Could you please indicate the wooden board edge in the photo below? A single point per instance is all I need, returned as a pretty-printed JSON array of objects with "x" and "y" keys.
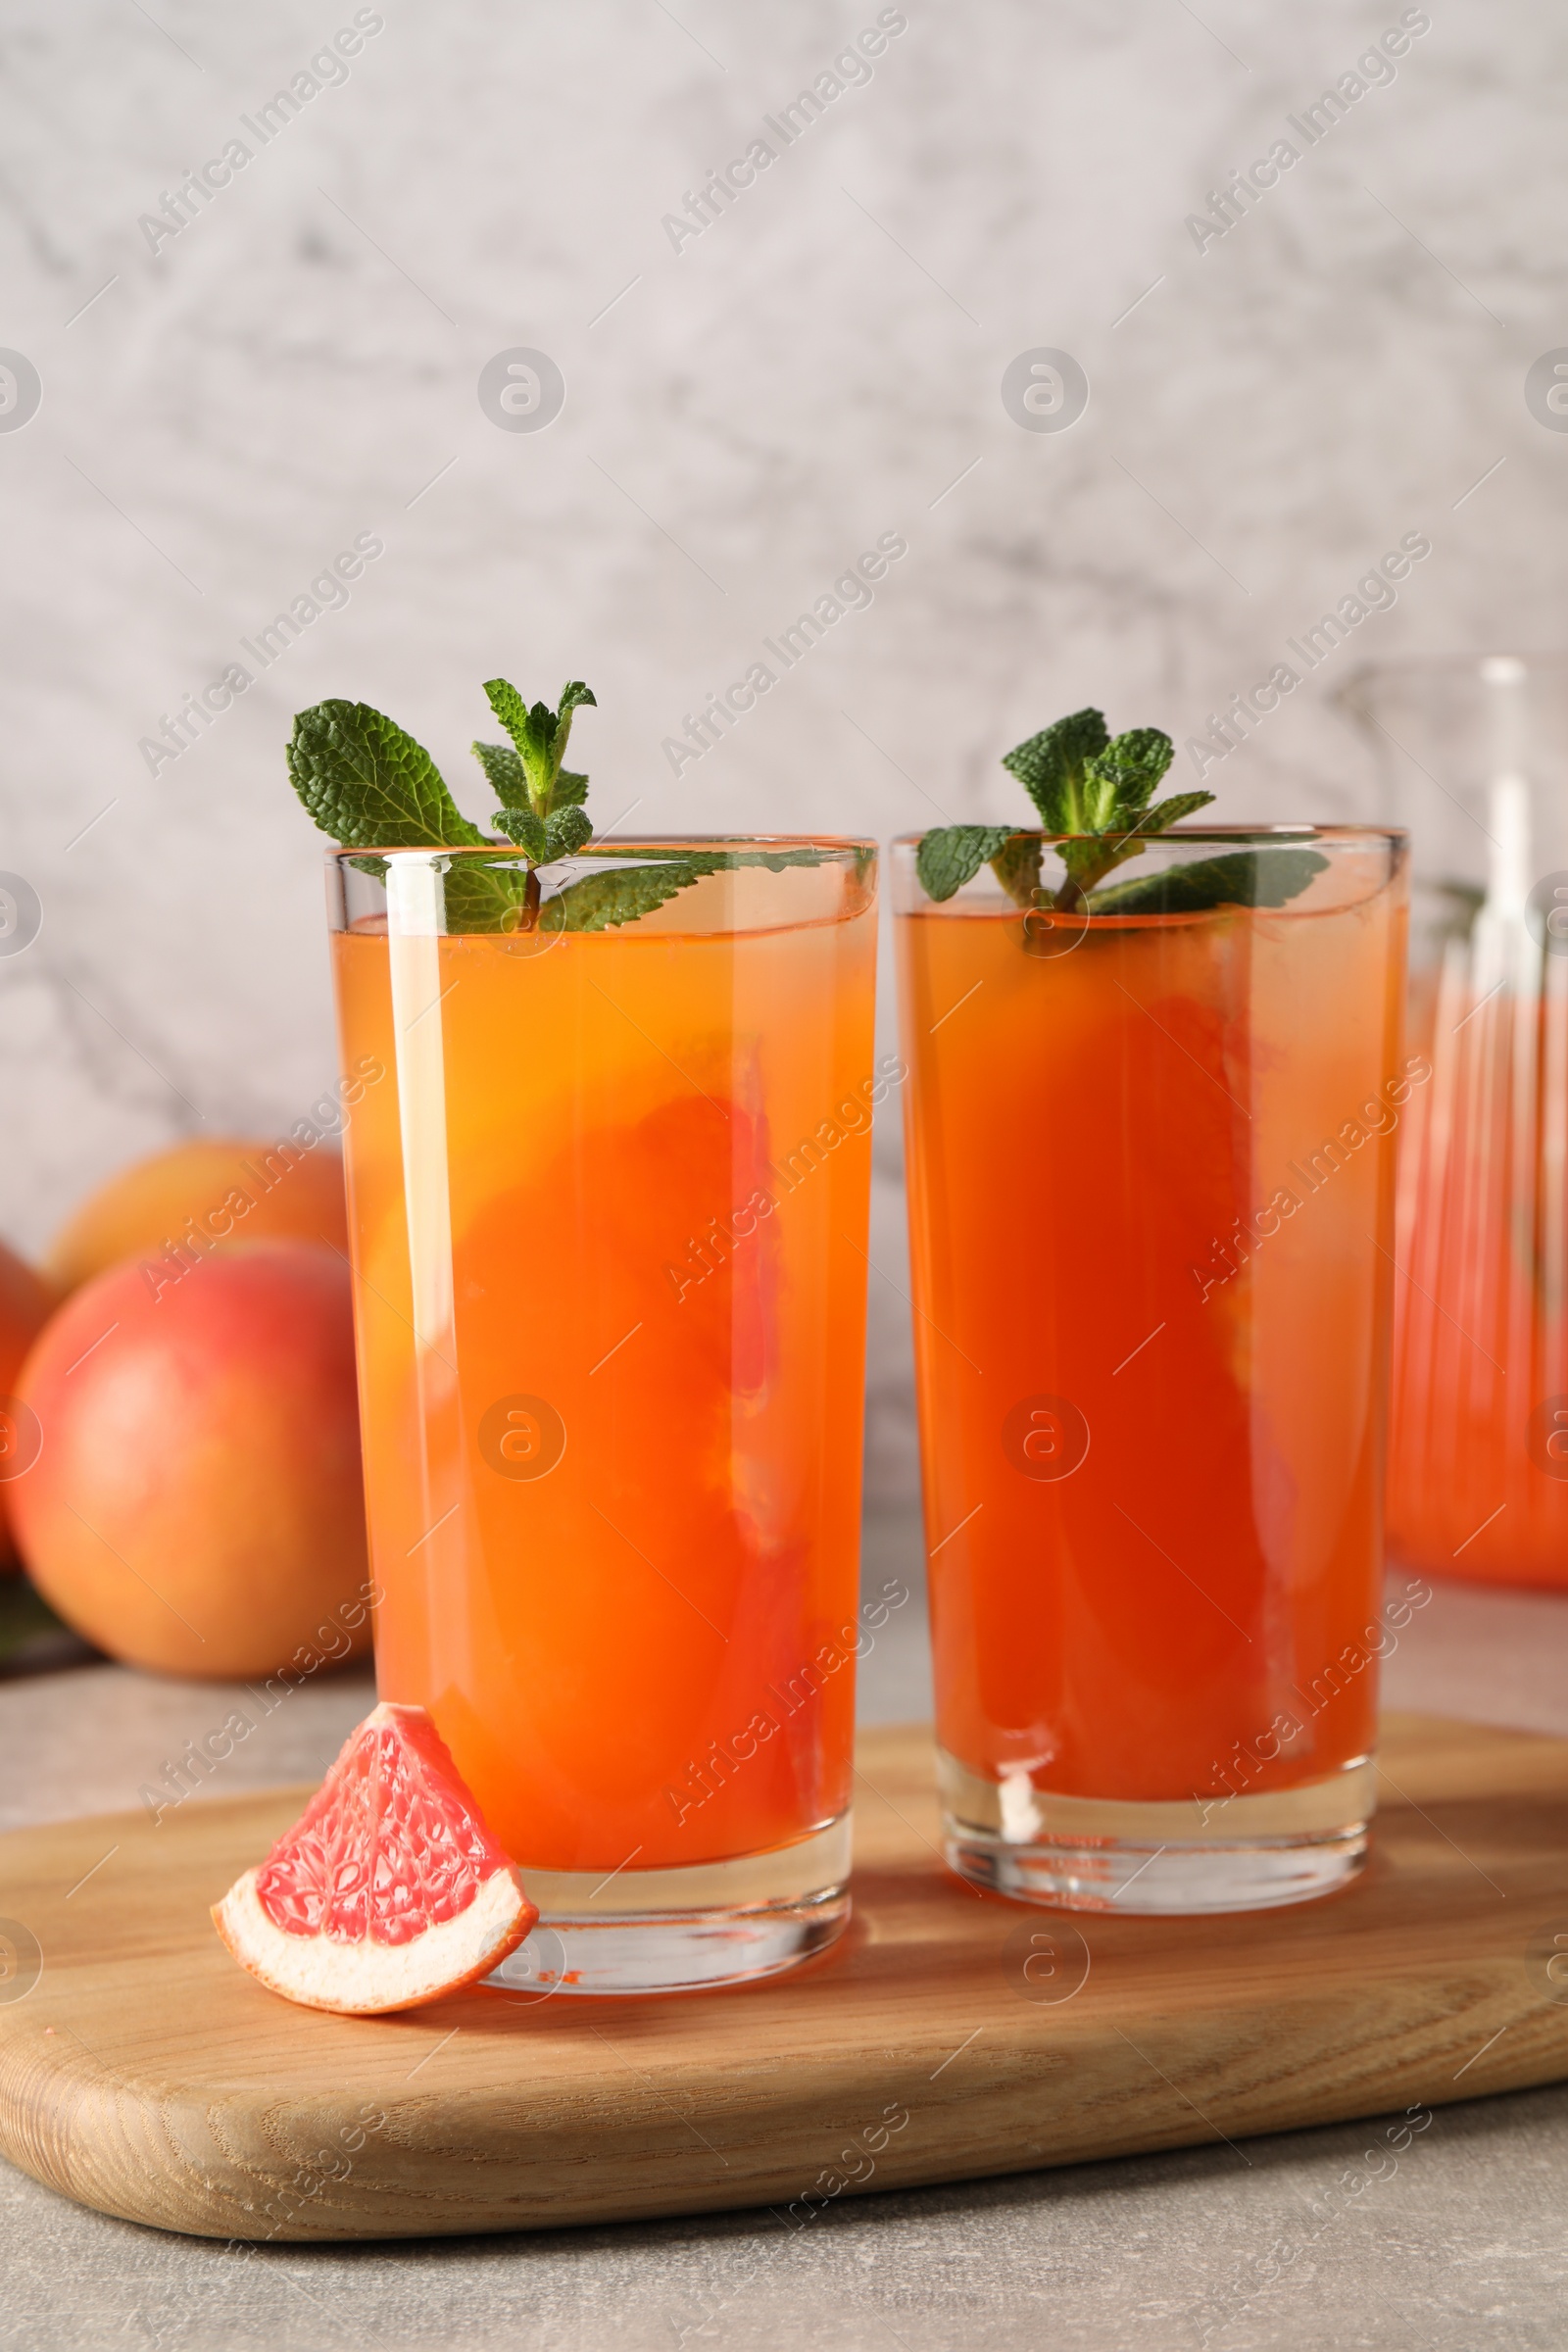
[{"x": 83, "y": 2137}]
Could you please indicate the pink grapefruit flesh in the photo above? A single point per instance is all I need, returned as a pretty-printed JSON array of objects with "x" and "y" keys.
[{"x": 388, "y": 1891}]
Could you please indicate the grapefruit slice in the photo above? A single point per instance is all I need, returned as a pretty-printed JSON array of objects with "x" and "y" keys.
[{"x": 388, "y": 1891}]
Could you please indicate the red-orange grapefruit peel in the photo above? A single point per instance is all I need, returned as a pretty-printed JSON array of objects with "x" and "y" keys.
[{"x": 388, "y": 1891}]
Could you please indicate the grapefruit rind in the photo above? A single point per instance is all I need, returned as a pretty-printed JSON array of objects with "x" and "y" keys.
[
  {"x": 389, "y": 1890},
  {"x": 368, "y": 1979}
]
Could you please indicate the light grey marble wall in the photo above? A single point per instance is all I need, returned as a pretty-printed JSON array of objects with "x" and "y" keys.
[{"x": 746, "y": 409}]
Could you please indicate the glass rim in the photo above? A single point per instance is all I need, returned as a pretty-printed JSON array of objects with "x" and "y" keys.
[
  {"x": 846, "y": 844},
  {"x": 1254, "y": 836}
]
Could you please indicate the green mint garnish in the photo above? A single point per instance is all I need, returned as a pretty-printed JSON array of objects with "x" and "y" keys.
[
  {"x": 1099, "y": 792},
  {"x": 954, "y": 855},
  {"x": 1239, "y": 878},
  {"x": 543, "y": 812},
  {"x": 620, "y": 894},
  {"x": 370, "y": 786}
]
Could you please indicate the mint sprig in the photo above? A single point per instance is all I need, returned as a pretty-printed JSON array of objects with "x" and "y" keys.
[
  {"x": 371, "y": 786},
  {"x": 543, "y": 814},
  {"x": 1098, "y": 791}
]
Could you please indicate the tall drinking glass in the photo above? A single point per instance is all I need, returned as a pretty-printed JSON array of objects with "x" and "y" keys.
[
  {"x": 1150, "y": 1197},
  {"x": 608, "y": 1213}
]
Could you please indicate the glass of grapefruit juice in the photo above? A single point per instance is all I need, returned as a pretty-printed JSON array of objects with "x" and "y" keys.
[
  {"x": 1150, "y": 1170},
  {"x": 607, "y": 1217}
]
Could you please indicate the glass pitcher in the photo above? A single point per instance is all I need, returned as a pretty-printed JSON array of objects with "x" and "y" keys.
[{"x": 1474, "y": 759}]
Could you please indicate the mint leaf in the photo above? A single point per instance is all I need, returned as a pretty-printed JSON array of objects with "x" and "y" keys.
[
  {"x": 503, "y": 772},
  {"x": 954, "y": 855},
  {"x": 545, "y": 838},
  {"x": 520, "y": 723},
  {"x": 565, "y": 831},
  {"x": 1050, "y": 768},
  {"x": 1166, "y": 813},
  {"x": 523, "y": 829},
  {"x": 1017, "y": 866},
  {"x": 1119, "y": 781},
  {"x": 1263, "y": 877},
  {"x": 369, "y": 785},
  {"x": 621, "y": 893},
  {"x": 604, "y": 902},
  {"x": 571, "y": 791}
]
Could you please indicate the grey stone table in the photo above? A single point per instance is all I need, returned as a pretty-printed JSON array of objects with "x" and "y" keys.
[{"x": 1463, "y": 2247}]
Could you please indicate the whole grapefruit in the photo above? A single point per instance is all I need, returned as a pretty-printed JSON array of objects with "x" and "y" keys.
[
  {"x": 24, "y": 1307},
  {"x": 202, "y": 1197},
  {"x": 196, "y": 1502}
]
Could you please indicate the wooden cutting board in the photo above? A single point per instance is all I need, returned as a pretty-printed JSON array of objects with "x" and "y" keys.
[{"x": 949, "y": 2034}]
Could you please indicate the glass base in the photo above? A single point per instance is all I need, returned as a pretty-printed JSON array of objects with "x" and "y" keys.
[
  {"x": 682, "y": 1931},
  {"x": 1079, "y": 1853}
]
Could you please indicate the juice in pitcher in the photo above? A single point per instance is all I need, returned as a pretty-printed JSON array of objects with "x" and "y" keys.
[{"x": 1473, "y": 749}]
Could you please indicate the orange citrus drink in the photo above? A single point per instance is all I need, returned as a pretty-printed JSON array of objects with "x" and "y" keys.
[
  {"x": 1151, "y": 1191},
  {"x": 609, "y": 1231}
]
